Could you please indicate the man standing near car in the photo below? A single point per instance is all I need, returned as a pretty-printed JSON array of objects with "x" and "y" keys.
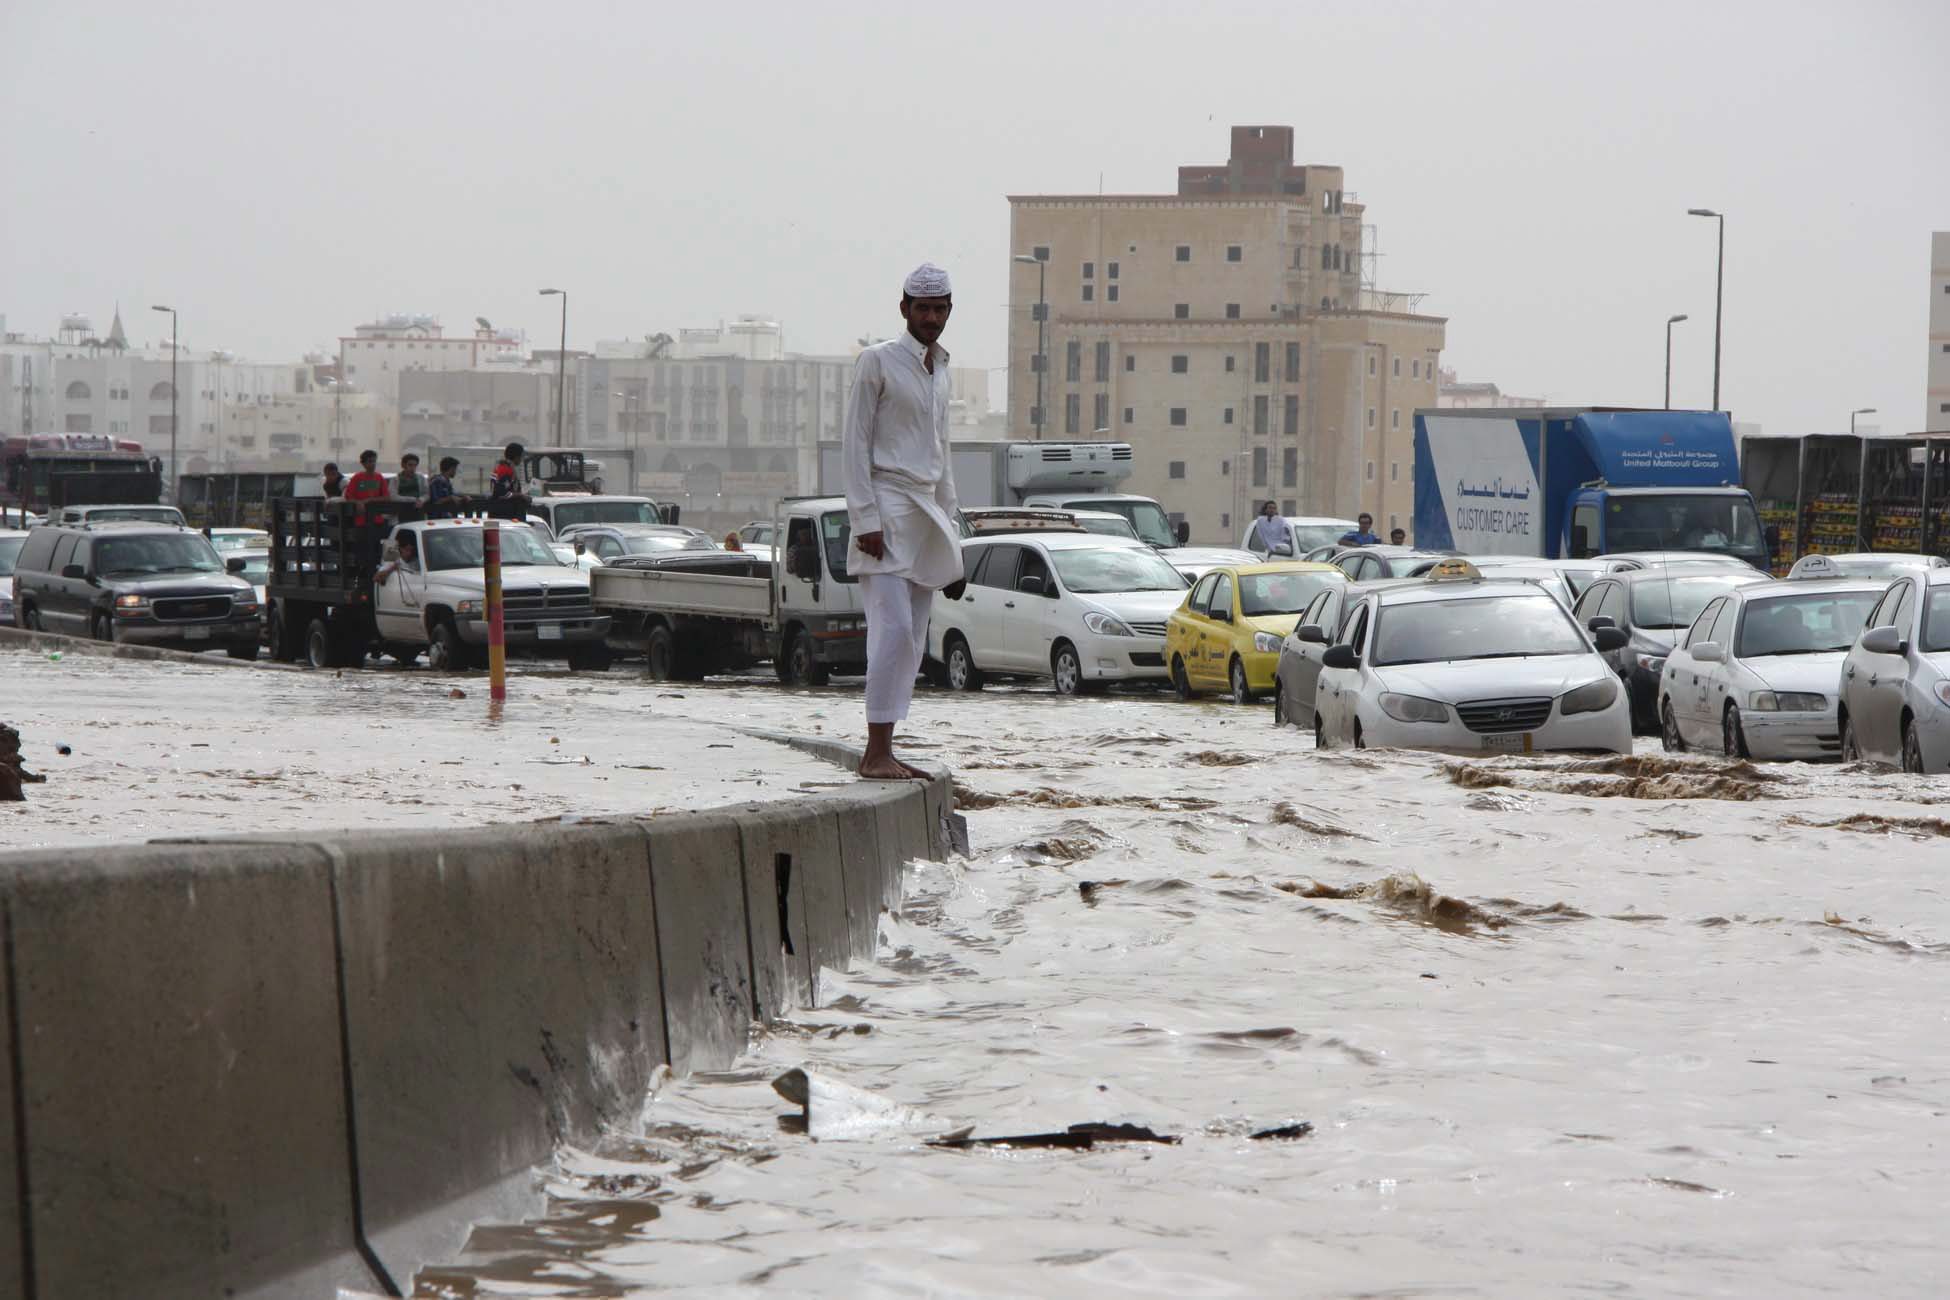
[
  {"x": 1269, "y": 530},
  {"x": 901, "y": 505}
]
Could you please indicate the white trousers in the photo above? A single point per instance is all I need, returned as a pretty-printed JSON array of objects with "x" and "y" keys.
[{"x": 897, "y": 639}]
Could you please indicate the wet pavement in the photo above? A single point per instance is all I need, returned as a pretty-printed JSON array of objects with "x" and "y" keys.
[
  {"x": 1641, "y": 1026},
  {"x": 1644, "y": 1026}
]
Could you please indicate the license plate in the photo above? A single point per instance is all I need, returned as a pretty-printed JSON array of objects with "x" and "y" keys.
[
  {"x": 1510, "y": 742},
  {"x": 197, "y": 633},
  {"x": 548, "y": 632}
]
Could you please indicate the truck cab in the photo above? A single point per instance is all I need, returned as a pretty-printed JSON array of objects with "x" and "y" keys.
[
  {"x": 1604, "y": 520},
  {"x": 820, "y": 617}
]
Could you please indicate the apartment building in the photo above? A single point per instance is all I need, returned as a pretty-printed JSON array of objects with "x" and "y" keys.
[
  {"x": 1936, "y": 407},
  {"x": 1225, "y": 331}
]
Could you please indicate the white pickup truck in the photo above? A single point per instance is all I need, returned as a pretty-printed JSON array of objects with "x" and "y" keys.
[{"x": 802, "y": 611}]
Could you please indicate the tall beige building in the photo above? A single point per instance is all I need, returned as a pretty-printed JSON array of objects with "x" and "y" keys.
[{"x": 1226, "y": 333}]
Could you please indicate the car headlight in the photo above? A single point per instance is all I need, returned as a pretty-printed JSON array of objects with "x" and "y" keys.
[
  {"x": 1786, "y": 702},
  {"x": 1105, "y": 624},
  {"x": 1413, "y": 708},
  {"x": 1654, "y": 664},
  {"x": 1266, "y": 643},
  {"x": 1589, "y": 698},
  {"x": 467, "y": 608},
  {"x": 243, "y": 606},
  {"x": 131, "y": 602}
]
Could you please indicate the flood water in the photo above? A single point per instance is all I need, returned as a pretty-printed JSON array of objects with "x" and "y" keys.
[{"x": 1560, "y": 1027}]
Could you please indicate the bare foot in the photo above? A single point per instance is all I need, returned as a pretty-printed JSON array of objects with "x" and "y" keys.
[
  {"x": 914, "y": 771},
  {"x": 883, "y": 768}
]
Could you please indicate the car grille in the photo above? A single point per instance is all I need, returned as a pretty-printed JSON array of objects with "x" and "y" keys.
[
  {"x": 1491, "y": 716},
  {"x": 549, "y": 606},
  {"x": 1148, "y": 629},
  {"x": 1146, "y": 659},
  {"x": 184, "y": 609}
]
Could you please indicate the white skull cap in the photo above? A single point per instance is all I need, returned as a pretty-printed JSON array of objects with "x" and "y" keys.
[{"x": 927, "y": 281}]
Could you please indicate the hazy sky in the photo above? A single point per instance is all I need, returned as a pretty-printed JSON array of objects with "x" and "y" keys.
[{"x": 281, "y": 174}]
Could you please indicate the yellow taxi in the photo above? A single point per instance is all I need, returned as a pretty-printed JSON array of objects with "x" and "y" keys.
[{"x": 1227, "y": 633}]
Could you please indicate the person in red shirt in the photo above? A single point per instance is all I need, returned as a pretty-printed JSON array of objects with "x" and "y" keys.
[
  {"x": 366, "y": 485},
  {"x": 506, "y": 500}
]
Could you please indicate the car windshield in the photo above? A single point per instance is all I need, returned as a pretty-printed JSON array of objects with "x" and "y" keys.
[
  {"x": 1266, "y": 594},
  {"x": 653, "y": 543},
  {"x": 1668, "y": 601},
  {"x": 570, "y": 513},
  {"x": 240, "y": 541},
  {"x": 136, "y": 515},
  {"x": 1803, "y": 625},
  {"x": 460, "y": 548},
  {"x": 1725, "y": 524},
  {"x": 1481, "y": 627},
  {"x": 1119, "y": 527},
  {"x": 1936, "y": 621},
  {"x": 1146, "y": 518},
  {"x": 1121, "y": 568},
  {"x": 9, "y": 553},
  {"x": 170, "y": 553},
  {"x": 1308, "y": 536},
  {"x": 835, "y": 532}
]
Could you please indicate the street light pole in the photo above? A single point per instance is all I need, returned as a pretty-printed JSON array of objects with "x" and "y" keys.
[
  {"x": 1860, "y": 410},
  {"x": 1670, "y": 322},
  {"x": 170, "y": 485},
  {"x": 1719, "y": 284},
  {"x": 561, "y": 364},
  {"x": 1042, "y": 322}
]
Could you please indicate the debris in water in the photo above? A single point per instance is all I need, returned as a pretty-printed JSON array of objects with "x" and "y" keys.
[
  {"x": 64, "y": 750},
  {"x": 1077, "y": 1137},
  {"x": 1088, "y": 888},
  {"x": 1285, "y": 814},
  {"x": 457, "y": 694},
  {"x": 836, "y": 1111},
  {"x": 1921, "y": 828},
  {"x": 1213, "y": 758},
  {"x": 1622, "y": 776},
  {"x": 1681, "y": 1185},
  {"x": 1286, "y": 1132}
]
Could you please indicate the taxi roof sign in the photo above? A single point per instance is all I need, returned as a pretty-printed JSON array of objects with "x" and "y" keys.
[{"x": 1453, "y": 571}]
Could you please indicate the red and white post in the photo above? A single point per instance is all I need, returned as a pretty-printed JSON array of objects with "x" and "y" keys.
[{"x": 497, "y": 636}]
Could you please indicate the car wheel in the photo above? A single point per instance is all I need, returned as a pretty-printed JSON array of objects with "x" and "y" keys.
[
  {"x": 33, "y": 617},
  {"x": 1669, "y": 738},
  {"x": 660, "y": 654},
  {"x": 591, "y": 658},
  {"x": 963, "y": 675},
  {"x": 101, "y": 628},
  {"x": 805, "y": 668},
  {"x": 448, "y": 653},
  {"x": 1912, "y": 748},
  {"x": 1320, "y": 733},
  {"x": 1179, "y": 681},
  {"x": 1851, "y": 750},
  {"x": 1242, "y": 691},
  {"x": 318, "y": 644},
  {"x": 1360, "y": 741},
  {"x": 1066, "y": 669},
  {"x": 1279, "y": 703},
  {"x": 1733, "y": 737}
]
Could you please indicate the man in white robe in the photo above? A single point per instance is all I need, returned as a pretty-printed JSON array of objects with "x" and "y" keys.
[{"x": 900, "y": 501}]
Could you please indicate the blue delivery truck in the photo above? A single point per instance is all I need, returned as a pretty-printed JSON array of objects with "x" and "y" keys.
[{"x": 1572, "y": 482}]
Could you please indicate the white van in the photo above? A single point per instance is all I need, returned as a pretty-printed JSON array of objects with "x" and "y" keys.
[{"x": 1080, "y": 609}]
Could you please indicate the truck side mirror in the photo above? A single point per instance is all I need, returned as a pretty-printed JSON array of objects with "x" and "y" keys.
[
  {"x": 1580, "y": 542},
  {"x": 1030, "y": 584},
  {"x": 235, "y": 564},
  {"x": 73, "y": 571},
  {"x": 1608, "y": 639},
  {"x": 1340, "y": 656},
  {"x": 1184, "y": 533}
]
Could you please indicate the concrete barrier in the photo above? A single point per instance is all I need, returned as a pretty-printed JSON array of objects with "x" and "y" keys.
[
  {"x": 272, "y": 1066},
  {"x": 14, "y": 638}
]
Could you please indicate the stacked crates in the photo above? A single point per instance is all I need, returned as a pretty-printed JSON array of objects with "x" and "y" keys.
[{"x": 1830, "y": 525}]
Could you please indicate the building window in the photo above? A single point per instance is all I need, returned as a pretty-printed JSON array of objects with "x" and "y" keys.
[
  {"x": 1234, "y": 252},
  {"x": 1370, "y": 471},
  {"x": 1394, "y": 471},
  {"x": 1415, "y": 370},
  {"x": 1398, "y": 368},
  {"x": 1039, "y": 311},
  {"x": 1100, "y": 412},
  {"x": 1089, "y": 292},
  {"x": 1130, "y": 362},
  {"x": 1103, "y": 362},
  {"x": 1036, "y": 416},
  {"x": 1292, "y": 424},
  {"x": 79, "y": 392},
  {"x": 1110, "y": 270},
  {"x": 1262, "y": 362},
  {"x": 1072, "y": 412},
  {"x": 1183, "y": 253},
  {"x": 1089, "y": 270},
  {"x": 1225, "y": 469},
  {"x": 1225, "y": 522},
  {"x": 1036, "y": 363},
  {"x": 1073, "y": 361},
  {"x": 1288, "y": 507},
  {"x": 1293, "y": 363},
  {"x": 1371, "y": 417},
  {"x": 1181, "y": 311},
  {"x": 1231, "y": 363},
  {"x": 1259, "y": 467},
  {"x": 1176, "y": 469},
  {"x": 1290, "y": 469},
  {"x": 1228, "y": 415},
  {"x": 1395, "y": 418},
  {"x": 1180, "y": 363},
  {"x": 1129, "y": 415},
  {"x": 1371, "y": 365},
  {"x": 1040, "y": 252},
  {"x": 1177, "y": 417},
  {"x": 1111, "y": 293},
  {"x": 1232, "y": 311},
  {"x": 1259, "y": 415}
]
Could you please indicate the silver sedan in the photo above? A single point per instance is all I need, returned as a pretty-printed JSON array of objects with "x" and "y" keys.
[{"x": 1896, "y": 681}]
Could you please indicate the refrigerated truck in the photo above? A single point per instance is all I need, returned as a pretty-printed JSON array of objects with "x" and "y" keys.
[{"x": 1574, "y": 482}]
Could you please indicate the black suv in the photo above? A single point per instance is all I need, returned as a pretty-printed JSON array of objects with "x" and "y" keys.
[{"x": 142, "y": 584}]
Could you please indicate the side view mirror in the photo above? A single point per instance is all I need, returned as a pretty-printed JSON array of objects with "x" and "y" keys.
[
  {"x": 1284, "y": 548},
  {"x": 235, "y": 564},
  {"x": 1709, "y": 652},
  {"x": 1340, "y": 656},
  {"x": 1184, "y": 533},
  {"x": 1608, "y": 639},
  {"x": 1884, "y": 640},
  {"x": 73, "y": 571},
  {"x": 577, "y": 543},
  {"x": 1220, "y": 615},
  {"x": 1030, "y": 585},
  {"x": 1312, "y": 633},
  {"x": 1580, "y": 542},
  {"x": 1597, "y": 621}
]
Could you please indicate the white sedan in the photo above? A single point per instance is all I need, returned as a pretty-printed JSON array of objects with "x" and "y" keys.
[
  {"x": 1886, "y": 565},
  {"x": 1470, "y": 665},
  {"x": 1896, "y": 680},
  {"x": 1755, "y": 676}
]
